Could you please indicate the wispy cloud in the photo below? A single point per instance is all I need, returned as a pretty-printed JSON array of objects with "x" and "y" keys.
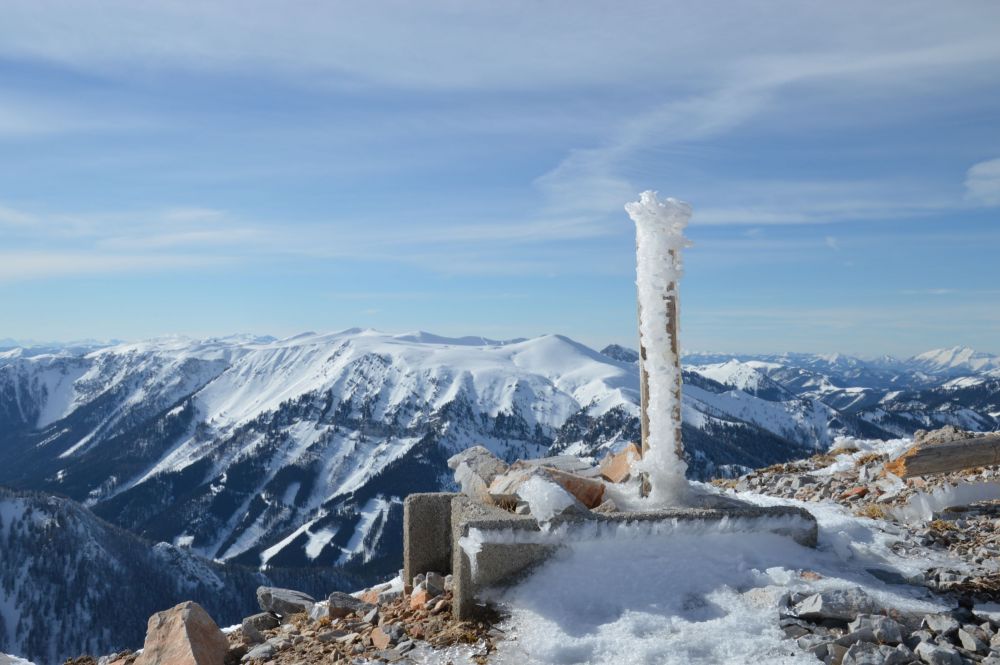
[
  {"x": 759, "y": 90},
  {"x": 30, "y": 265},
  {"x": 120, "y": 242},
  {"x": 12, "y": 217},
  {"x": 928, "y": 292},
  {"x": 982, "y": 182}
]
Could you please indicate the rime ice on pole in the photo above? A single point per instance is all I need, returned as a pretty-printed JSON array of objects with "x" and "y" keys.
[{"x": 659, "y": 228}]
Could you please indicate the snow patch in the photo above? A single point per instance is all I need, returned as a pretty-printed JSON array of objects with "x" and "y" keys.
[
  {"x": 13, "y": 660},
  {"x": 545, "y": 498},
  {"x": 675, "y": 591}
]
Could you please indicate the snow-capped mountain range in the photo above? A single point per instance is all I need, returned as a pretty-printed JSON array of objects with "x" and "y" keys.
[{"x": 298, "y": 452}]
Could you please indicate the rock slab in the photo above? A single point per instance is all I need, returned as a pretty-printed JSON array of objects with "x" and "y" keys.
[
  {"x": 183, "y": 635},
  {"x": 283, "y": 602}
]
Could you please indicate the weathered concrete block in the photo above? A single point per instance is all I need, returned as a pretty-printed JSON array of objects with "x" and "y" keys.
[
  {"x": 427, "y": 533},
  {"x": 510, "y": 558},
  {"x": 436, "y": 524},
  {"x": 493, "y": 563}
]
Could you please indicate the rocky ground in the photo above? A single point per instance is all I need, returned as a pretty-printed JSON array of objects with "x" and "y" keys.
[
  {"x": 928, "y": 520},
  {"x": 385, "y": 624},
  {"x": 857, "y": 480},
  {"x": 848, "y": 627}
]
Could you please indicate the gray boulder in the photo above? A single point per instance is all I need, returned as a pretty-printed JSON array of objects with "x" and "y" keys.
[
  {"x": 319, "y": 611},
  {"x": 940, "y": 624},
  {"x": 884, "y": 629},
  {"x": 283, "y": 602},
  {"x": 434, "y": 583},
  {"x": 260, "y": 653},
  {"x": 866, "y": 653},
  {"x": 918, "y": 636},
  {"x": 936, "y": 654},
  {"x": 837, "y": 604},
  {"x": 971, "y": 642},
  {"x": 860, "y": 635},
  {"x": 342, "y": 604},
  {"x": 254, "y": 627},
  {"x": 475, "y": 468},
  {"x": 901, "y": 655}
]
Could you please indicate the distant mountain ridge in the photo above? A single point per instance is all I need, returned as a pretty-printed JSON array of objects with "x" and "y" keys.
[
  {"x": 71, "y": 583},
  {"x": 298, "y": 452}
]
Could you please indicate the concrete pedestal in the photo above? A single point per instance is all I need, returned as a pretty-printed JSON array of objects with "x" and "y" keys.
[{"x": 508, "y": 546}]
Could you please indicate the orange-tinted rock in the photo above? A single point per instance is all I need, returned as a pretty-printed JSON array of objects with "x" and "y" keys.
[
  {"x": 854, "y": 492},
  {"x": 370, "y": 597},
  {"x": 617, "y": 467},
  {"x": 380, "y": 640},
  {"x": 183, "y": 635},
  {"x": 588, "y": 491},
  {"x": 419, "y": 598}
]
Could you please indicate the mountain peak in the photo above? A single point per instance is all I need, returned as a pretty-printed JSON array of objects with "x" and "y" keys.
[
  {"x": 956, "y": 358},
  {"x": 621, "y": 353}
]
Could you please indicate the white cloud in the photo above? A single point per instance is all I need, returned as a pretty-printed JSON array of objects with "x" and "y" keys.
[
  {"x": 103, "y": 243},
  {"x": 440, "y": 44},
  {"x": 29, "y": 265},
  {"x": 982, "y": 182},
  {"x": 13, "y": 217},
  {"x": 928, "y": 292},
  {"x": 758, "y": 91}
]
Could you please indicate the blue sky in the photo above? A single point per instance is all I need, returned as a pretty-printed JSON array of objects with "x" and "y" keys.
[{"x": 274, "y": 167}]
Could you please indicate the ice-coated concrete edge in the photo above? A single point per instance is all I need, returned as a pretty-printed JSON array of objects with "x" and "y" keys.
[
  {"x": 495, "y": 563},
  {"x": 793, "y": 522},
  {"x": 435, "y": 525},
  {"x": 427, "y": 534}
]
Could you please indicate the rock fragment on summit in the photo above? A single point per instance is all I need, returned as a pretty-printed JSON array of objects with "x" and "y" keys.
[
  {"x": 836, "y": 604},
  {"x": 254, "y": 626},
  {"x": 284, "y": 602},
  {"x": 342, "y": 604},
  {"x": 508, "y": 488},
  {"x": 183, "y": 635},
  {"x": 617, "y": 467},
  {"x": 475, "y": 468}
]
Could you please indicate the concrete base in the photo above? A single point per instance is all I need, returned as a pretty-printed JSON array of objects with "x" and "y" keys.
[
  {"x": 494, "y": 564},
  {"x": 426, "y": 534},
  {"x": 518, "y": 543}
]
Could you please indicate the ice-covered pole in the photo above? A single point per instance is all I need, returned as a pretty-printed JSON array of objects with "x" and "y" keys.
[{"x": 659, "y": 232}]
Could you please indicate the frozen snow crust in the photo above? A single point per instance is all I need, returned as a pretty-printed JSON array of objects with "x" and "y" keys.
[
  {"x": 711, "y": 594},
  {"x": 659, "y": 228},
  {"x": 693, "y": 592}
]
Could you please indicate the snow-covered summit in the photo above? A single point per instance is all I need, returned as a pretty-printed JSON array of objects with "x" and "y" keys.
[
  {"x": 745, "y": 377},
  {"x": 955, "y": 359}
]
